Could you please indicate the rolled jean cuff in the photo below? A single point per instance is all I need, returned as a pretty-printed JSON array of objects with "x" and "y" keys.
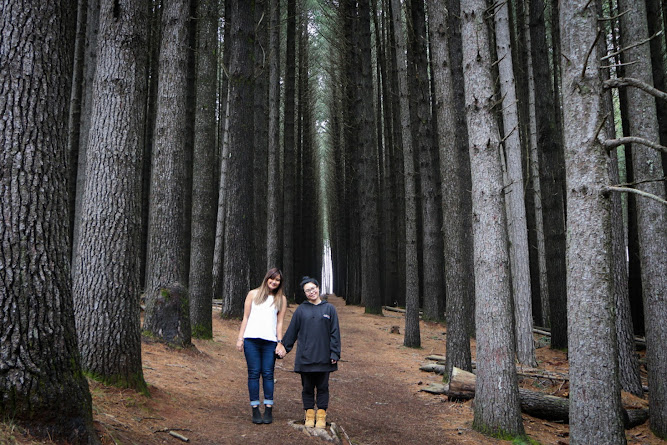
[
  {"x": 268, "y": 402},
  {"x": 254, "y": 403}
]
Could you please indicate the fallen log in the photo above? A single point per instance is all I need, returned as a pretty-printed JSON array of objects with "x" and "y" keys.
[
  {"x": 543, "y": 406},
  {"x": 438, "y": 369}
]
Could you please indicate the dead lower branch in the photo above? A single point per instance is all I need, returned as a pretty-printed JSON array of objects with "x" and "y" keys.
[
  {"x": 610, "y": 55},
  {"x": 613, "y": 143},
  {"x": 632, "y": 82},
  {"x": 636, "y": 191}
]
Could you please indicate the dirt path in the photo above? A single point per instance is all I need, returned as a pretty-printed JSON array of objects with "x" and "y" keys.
[{"x": 375, "y": 395}]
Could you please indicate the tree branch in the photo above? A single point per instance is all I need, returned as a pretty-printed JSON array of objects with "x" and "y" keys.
[
  {"x": 632, "y": 82},
  {"x": 610, "y": 55},
  {"x": 638, "y": 192},
  {"x": 613, "y": 143}
]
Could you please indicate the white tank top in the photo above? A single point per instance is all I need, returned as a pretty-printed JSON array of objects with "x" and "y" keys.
[{"x": 262, "y": 321}]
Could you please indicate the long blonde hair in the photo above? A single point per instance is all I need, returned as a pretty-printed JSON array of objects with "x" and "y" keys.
[{"x": 263, "y": 291}]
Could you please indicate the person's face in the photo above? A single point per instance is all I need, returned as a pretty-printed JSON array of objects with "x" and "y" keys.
[
  {"x": 274, "y": 282},
  {"x": 312, "y": 292}
]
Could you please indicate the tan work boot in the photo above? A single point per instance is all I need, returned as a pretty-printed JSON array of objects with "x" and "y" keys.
[
  {"x": 310, "y": 418},
  {"x": 321, "y": 419}
]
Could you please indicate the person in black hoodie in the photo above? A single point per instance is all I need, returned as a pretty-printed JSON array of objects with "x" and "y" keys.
[{"x": 314, "y": 327}]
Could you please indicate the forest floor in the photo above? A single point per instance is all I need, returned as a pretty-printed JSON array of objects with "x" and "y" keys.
[{"x": 376, "y": 395}]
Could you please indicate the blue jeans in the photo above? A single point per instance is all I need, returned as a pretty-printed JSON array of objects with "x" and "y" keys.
[{"x": 260, "y": 357}]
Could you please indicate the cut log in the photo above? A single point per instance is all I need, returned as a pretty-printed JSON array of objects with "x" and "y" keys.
[
  {"x": 635, "y": 418},
  {"x": 431, "y": 367},
  {"x": 543, "y": 406}
]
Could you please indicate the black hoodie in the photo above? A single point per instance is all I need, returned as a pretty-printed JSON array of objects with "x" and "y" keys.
[{"x": 315, "y": 327}]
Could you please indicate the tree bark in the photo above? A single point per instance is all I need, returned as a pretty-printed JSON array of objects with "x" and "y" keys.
[
  {"x": 412, "y": 336},
  {"x": 535, "y": 178},
  {"x": 595, "y": 411},
  {"x": 110, "y": 227},
  {"x": 514, "y": 195},
  {"x": 433, "y": 292},
  {"x": 457, "y": 222},
  {"x": 239, "y": 187},
  {"x": 274, "y": 178},
  {"x": 167, "y": 258},
  {"x": 89, "y": 66},
  {"x": 42, "y": 387},
  {"x": 651, "y": 215},
  {"x": 289, "y": 154},
  {"x": 552, "y": 173},
  {"x": 261, "y": 137},
  {"x": 370, "y": 252},
  {"x": 203, "y": 164},
  {"x": 497, "y": 407}
]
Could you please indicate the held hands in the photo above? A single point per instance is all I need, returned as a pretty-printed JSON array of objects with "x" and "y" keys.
[{"x": 280, "y": 350}]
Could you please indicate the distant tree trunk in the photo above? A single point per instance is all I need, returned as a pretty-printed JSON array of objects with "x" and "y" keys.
[
  {"x": 274, "y": 181},
  {"x": 89, "y": 66},
  {"x": 466, "y": 236},
  {"x": 74, "y": 118},
  {"x": 42, "y": 387},
  {"x": 659, "y": 64},
  {"x": 261, "y": 137},
  {"x": 238, "y": 222},
  {"x": 651, "y": 215},
  {"x": 458, "y": 264},
  {"x": 368, "y": 199},
  {"x": 223, "y": 148},
  {"x": 427, "y": 152},
  {"x": 111, "y": 205},
  {"x": 535, "y": 179},
  {"x": 628, "y": 364},
  {"x": 289, "y": 153},
  {"x": 595, "y": 405},
  {"x": 167, "y": 257},
  {"x": 497, "y": 395},
  {"x": 514, "y": 196},
  {"x": 552, "y": 173},
  {"x": 219, "y": 248},
  {"x": 204, "y": 181},
  {"x": 411, "y": 337},
  {"x": 149, "y": 137}
]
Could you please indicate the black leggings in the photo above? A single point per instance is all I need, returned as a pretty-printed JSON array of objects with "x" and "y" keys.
[{"x": 310, "y": 381}]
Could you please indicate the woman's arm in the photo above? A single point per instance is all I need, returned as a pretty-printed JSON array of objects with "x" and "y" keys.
[
  {"x": 246, "y": 313},
  {"x": 280, "y": 349}
]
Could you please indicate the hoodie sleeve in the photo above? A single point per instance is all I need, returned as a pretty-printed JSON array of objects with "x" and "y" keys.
[
  {"x": 334, "y": 335},
  {"x": 292, "y": 330}
]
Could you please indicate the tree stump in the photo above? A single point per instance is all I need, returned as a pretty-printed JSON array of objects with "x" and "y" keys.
[{"x": 170, "y": 321}]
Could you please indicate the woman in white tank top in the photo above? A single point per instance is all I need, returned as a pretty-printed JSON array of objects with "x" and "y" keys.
[{"x": 261, "y": 332}]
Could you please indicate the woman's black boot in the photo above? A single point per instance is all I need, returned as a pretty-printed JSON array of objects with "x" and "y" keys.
[
  {"x": 268, "y": 415},
  {"x": 256, "y": 415}
]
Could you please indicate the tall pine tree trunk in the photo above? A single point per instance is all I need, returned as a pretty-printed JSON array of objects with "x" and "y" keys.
[
  {"x": 651, "y": 215},
  {"x": 514, "y": 195},
  {"x": 595, "y": 410},
  {"x": 370, "y": 266},
  {"x": 166, "y": 263},
  {"x": 411, "y": 336},
  {"x": 273, "y": 180},
  {"x": 239, "y": 186},
  {"x": 261, "y": 136},
  {"x": 497, "y": 395},
  {"x": 110, "y": 226},
  {"x": 458, "y": 260},
  {"x": 433, "y": 292},
  {"x": 42, "y": 387},
  {"x": 203, "y": 176},
  {"x": 289, "y": 148}
]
